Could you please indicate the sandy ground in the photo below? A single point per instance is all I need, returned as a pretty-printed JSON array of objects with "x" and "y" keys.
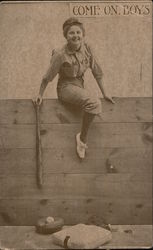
[{"x": 123, "y": 236}]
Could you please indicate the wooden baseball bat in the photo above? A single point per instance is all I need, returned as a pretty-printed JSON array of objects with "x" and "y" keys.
[{"x": 39, "y": 166}]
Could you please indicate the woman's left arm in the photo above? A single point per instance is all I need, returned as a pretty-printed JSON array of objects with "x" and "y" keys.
[
  {"x": 101, "y": 86},
  {"x": 98, "y": 75}
]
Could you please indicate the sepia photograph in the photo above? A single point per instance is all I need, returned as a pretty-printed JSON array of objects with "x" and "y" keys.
[{"x": 76, "y": 125}]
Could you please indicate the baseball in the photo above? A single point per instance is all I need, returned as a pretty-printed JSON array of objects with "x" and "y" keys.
[{"x": 49, "y": 219}]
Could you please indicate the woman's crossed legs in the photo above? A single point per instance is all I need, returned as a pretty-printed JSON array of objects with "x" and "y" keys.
[{"x": 91, "y": 106}]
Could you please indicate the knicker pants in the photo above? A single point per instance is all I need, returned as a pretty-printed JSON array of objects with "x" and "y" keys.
[{"x": 81, "y": 97}]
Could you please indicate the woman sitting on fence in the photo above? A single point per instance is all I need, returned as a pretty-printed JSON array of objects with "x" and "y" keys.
[{"x": 71, "y": 62}]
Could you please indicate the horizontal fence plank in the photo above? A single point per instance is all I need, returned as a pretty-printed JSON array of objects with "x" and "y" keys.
[
  {"x": 138, "y": 109},
  {"x": 78, "y": 186},
  {"x": 90, "y": 211},
  {"x": 63, "y": 135},
  {"x": 65, "y": 160}
]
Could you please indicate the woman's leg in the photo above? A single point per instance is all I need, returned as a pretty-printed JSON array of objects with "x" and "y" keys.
[
  {"x": 86, "y": 122},
  {"x": 91, "y": 106}
]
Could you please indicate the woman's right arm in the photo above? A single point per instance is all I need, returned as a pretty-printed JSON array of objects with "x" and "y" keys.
[
  {"x": 52, "y": 71},
  {"x": 43, "y": 86}
]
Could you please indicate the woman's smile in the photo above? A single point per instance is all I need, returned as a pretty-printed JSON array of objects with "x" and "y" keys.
[{"x": 74, "y": 36}]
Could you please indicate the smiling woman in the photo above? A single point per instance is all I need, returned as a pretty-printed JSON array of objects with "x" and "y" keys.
[
  {"x": 71, "y": 62},
  {"x": 74, "y": 37}
]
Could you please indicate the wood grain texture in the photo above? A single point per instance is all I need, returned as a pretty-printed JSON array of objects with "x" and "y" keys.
[
  {"x": 73, "y": 211},
  {"x": 70, "y": 186},
  {"x": 89, "y": 191},
  {"x": 52, "y": 111},
  {"x": 64, "y": 160},
  {"x": 63, "y": 135}
]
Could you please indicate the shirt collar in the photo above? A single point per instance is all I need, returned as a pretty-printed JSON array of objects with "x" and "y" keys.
[{"x": 71, "y": 52}]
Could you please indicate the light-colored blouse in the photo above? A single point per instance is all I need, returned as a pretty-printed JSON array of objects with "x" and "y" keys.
[{"x": 71, "y": 65}]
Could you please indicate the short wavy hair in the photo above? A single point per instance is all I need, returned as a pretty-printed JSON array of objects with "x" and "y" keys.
[{"x": 70, "y": 22}]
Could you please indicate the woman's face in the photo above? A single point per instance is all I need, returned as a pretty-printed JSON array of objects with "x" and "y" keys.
[{"x": 74, "y": 36}]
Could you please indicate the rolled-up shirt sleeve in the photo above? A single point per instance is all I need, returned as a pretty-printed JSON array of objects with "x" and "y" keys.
[
  {"x": 94, "y": 65},
  {"x": 54, "y": 67}
]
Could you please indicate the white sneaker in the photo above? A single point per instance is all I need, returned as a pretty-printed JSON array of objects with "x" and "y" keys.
[{"x": 81, "y": 147}]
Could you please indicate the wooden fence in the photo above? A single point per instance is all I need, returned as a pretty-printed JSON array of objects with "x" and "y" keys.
[{"x": 90, "y": 191}]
